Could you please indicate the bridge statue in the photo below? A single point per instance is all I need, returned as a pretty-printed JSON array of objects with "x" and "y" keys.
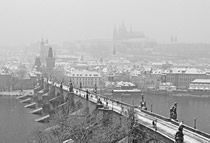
[
  {"x": 143, "y": 103},
  {"x": 87, "y": 95},
  {"x": 61, "y": 88},
  {"x": 70, "y": 87},
  {"x": 99, "y": 103},
  {"x": 61, "y": 85},
  {"x": 173, "y": 112}
]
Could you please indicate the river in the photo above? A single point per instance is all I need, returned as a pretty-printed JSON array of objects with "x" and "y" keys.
[
  {"x": 188, "y": 108},
  {"x": 16, "y": 124}
]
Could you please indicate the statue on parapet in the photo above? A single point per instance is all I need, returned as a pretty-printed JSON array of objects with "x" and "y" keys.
[
  {"x": 99, "y": 103},
  {"x": 173, "y": 111},
  {"x": 143, "y": 105},
  {"x": 70, "y": 87},
  {"x": 61, "y": 85},
  {"x": 87, "y": 95}
]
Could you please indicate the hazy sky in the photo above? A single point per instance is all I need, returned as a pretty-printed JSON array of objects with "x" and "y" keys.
[{"x": 26, "y": 21}]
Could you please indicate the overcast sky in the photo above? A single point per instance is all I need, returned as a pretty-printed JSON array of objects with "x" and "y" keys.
[{"x": 26, "y": 21}]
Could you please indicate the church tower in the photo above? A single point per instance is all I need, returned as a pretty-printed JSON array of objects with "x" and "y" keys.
[
  {"x": 50, "y": 61},
  {"x": 42, "y": 51},
  {"x": 38, "y": 63}
]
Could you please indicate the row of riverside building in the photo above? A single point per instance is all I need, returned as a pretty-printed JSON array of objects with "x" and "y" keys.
[{"x": 182, "y": 78}]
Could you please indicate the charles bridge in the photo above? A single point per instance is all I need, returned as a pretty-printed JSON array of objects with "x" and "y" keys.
[{"x": 50, "y": 97}]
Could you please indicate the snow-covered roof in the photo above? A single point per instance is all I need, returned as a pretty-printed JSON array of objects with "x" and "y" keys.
[
  {"x": 185, "y": 71},
  {"x": 201, "y": 81},
  {"x": 83, "y": 73}
]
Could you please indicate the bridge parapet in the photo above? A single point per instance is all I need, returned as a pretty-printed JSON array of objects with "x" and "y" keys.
[{"x": 166, "y": 128}]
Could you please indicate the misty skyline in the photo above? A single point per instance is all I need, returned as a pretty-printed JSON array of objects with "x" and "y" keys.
[{"x": 27, "y": 21}]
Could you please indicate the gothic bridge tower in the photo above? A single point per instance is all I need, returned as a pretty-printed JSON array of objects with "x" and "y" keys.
[{"x": 50, "y": 61}]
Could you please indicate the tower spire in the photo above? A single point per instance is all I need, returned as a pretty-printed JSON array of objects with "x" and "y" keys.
[
  {"x": 42, "y": 49},
  {"x": 114, "y": 50}
]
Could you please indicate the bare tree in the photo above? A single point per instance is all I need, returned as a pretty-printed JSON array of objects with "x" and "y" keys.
[
  {"x": 85, "y": 127},
  {"x": 81, "y": 128}
]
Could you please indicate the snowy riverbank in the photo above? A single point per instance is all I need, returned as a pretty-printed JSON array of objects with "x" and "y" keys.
[{"x": 16, "y": 93}]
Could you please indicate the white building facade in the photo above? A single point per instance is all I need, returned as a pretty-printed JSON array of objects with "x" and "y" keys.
[{"x": 87, "y": 79}]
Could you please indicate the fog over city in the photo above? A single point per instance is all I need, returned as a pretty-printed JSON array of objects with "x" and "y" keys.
[
  {"x": 104, "y": 71},
  {"x": 26, "y": 21}
]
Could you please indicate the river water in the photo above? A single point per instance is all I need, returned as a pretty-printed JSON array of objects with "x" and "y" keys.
[
  {"x": 188, "y": 107},
  {"x": 16, "y": 124}
]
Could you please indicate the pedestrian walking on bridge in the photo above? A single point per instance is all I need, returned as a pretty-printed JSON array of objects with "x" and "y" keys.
[
  {"x": 154, "y": 124},
  {"x": 179, "y": 136}
]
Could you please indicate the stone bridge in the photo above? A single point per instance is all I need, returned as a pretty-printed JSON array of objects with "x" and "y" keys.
[{"x": 50, "y": 96}]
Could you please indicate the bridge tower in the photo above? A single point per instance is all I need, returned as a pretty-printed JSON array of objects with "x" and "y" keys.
[{"x": 50, "y": 61}]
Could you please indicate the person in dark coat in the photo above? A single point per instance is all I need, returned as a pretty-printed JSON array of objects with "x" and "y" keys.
[
  {"x": 179, "y": 136},
  {"x": 154, "y": 124}
]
